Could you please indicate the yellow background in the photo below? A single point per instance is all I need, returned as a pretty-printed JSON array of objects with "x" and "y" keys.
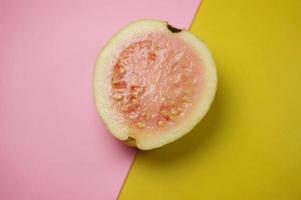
[{"x": 249, "y": 144}]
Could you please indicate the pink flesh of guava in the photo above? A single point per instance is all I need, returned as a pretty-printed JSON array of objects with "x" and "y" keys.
[{"x": 155, "y": 80}]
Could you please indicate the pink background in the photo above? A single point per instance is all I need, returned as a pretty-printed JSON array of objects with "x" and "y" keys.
[{"x": 52, "y": 142}]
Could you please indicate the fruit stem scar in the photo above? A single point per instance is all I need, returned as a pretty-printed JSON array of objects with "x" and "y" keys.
[
  {"x": 173, "y": 29},
  {"x": 130, "y": 141}
]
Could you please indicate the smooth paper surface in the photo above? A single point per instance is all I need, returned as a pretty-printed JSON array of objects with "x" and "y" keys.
[
  {"x": 249, "y": 145},
  {"x": 52, "y": 142}
]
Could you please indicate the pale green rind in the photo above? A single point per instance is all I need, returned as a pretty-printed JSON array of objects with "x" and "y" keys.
[{"x": 145, "y": 140}]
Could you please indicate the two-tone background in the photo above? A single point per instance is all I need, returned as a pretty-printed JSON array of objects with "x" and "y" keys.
[{"x": 53, "y": 145}]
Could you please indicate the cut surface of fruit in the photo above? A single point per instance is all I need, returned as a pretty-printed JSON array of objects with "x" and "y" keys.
[{"x": 153, "y": 83}]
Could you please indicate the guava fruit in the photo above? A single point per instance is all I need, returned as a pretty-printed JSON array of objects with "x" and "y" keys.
[{"x": 153, "y": 83}]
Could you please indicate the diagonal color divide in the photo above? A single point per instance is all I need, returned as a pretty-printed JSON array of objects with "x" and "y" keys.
[
  {"x": 52, "y": 143},
  {"x": 248, "y": 146}
]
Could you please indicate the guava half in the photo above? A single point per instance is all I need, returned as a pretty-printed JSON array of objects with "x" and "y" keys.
[{"x": 153, "y": 83}]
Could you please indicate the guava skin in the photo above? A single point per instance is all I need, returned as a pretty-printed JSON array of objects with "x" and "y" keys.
[{"x": 153, "y": 83}]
